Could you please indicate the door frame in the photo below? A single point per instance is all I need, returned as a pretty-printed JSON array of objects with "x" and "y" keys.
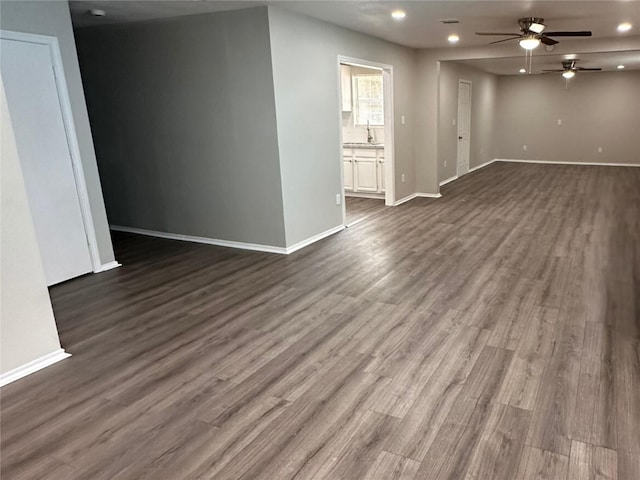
[
  {"x": 71, "y": 135},
  {"x": 389, "y": 159},
  {"x": 462, "y": 80}
]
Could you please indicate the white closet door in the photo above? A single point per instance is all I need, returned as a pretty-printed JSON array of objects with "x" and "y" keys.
[{"x": 27, "y": 73}]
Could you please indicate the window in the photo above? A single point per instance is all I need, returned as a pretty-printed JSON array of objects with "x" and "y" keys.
[{"x": 368, "y": 99}]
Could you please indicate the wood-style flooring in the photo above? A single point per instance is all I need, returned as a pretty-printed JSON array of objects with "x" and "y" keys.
[
  {"x": 491, "y": 334},
  {"x": 358, "y": 208}
]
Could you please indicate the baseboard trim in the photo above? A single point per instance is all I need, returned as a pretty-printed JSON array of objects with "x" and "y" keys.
[
  {"x": 380, "y": 196},
  {"x": 405, "y": 199},
  {"x": 593, "y": 164},
  {"x": 304, "y": 243},
  {"x": 228, "y": 243},
  {"x": 429, "y": 195},
  {"x": 482, "y": 165},
  {"x": 33, "y": 366},
  {"x": 195, "y": 239},
  {"x": 105, "y": 267},
  {"x": 449, "y": 180}
]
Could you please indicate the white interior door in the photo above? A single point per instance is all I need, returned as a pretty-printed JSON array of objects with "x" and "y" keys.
[
  {"x": 34, "y": 103},
  {"x": 464, "y": 125}
]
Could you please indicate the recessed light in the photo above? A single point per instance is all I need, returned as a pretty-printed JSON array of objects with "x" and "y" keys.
[
  {"x": 97, "y": 13},
  {"x": 523, "y": 70},
  {"x": 453, "y": 38},
  {"x": 398, "y": 14},
  {"x": 620, "y": 67},
  {"x": 624, "y": 27}
]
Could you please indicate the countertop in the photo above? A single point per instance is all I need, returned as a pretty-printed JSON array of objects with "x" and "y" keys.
[{"x": 364, "y": 145}]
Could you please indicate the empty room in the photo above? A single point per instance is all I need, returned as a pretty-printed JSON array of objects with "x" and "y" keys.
[{"x": 279, "y": 240}]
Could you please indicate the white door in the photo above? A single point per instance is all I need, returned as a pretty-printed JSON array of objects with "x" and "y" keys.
[
  {"x": 464, "y": 125},
  {"x": 32, "y": 95}
]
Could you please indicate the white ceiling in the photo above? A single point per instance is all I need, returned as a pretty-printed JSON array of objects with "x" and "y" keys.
[{"x": 422, "y": 27}]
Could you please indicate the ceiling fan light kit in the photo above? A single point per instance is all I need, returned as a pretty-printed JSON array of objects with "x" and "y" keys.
[{"x": 529, "y": 42}]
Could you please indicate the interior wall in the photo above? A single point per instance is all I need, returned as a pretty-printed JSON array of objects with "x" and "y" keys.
[
  {"x": 306, "y": 77},
  {"x": 184, "y": 121},
  {"x": 28, "y": 329},
  {"x": 483, "y": 108},
  {"x": 598, "y": 109},
  {"x": 52, "y": 18}
]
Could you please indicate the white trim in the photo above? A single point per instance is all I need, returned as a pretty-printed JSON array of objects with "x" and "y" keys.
[
  {"x": 482, "y": 165},
  {"x": 449, "y": 180},
  {"x": 297, "y": 246},
  {"x": 594, "y": 164},
  {"x": 377, "y": 196},
  {"x": 209, "y": 241},
  {"x": 468, "y": 82},
  {"x": 228, "y": 243},
  {"x": 429, "y": 195},
  {"x": 71, "y": 134},
  {"x": 405, "y": 199},
  {"x": 33, "y": 366},
  {"x": 108, "y": 266}
]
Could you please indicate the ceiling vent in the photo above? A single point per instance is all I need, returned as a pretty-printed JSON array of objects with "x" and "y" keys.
[{"x": 448, "y": 21}]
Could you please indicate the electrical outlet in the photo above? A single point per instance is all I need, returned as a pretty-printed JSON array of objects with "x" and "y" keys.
[
  {"x": 559, "y": 122},
  {"x": 403, "y": 121},
  {"x": 599, "y": 149},
  {"x": 338, "y": 199},
  {"x": 445, "y": 163},
  {"x": 403, "y": 178},
  {"x": 524, "y": 147},
  {"x": 453, "y": 122}
]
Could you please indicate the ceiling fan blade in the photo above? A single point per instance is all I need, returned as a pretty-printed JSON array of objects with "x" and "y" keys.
[
  {"x": 494, "y": 33},
  {"x": 504, "y": 40},
  {"x": 549, "y": 71},
  {"x": 585, "y": 33},
  {"x": 588, "y": 69},
  {"x": 548, "y": 41}
]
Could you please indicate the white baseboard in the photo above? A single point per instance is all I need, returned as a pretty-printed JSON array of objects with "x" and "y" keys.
[
  {"x": 593, "y": 164},
  {"x": 107, "y": 266},
  {"x": 380, "y": 196},
  {"x": 482, "y": 165},
  {"x": 448, "y": 180},
  {"x": 404, "y": 199},
  {"x": 210, "y": 241},
  {"x": 315, "y": 238},
  {"x": 429, "y": 195},
  {"x": 33, "y": 366},
  {"x": 228, "y": 243}
]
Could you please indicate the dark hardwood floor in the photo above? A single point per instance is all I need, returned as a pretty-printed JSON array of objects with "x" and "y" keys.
[
  {"x": 490, "y": 334},
  {"x": 358, "y": 208}
]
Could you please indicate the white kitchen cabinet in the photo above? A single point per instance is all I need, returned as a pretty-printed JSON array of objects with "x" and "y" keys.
[
  {"x": 347, "y": 166},
  {"x": 363, "y": 170},
  {"x": 345, "y": 81}
]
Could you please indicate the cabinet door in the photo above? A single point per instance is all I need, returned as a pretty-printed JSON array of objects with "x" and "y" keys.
[
  {"x": 345, "y": 77},
  {"x": 347, "y": 176},
  {"x": 366, "y": 174},
  {"x": 381, "y": 173}
]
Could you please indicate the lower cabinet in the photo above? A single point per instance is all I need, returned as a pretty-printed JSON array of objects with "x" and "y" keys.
[{"x": 364, "y": 170}]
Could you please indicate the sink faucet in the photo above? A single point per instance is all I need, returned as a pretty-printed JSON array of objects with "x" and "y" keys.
[{"x": 369, "y": 136}]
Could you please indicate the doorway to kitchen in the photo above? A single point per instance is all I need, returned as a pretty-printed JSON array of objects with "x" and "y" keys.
[{"x": 366, "y": 138}]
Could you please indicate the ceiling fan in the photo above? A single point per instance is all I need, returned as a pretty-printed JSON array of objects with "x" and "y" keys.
[
  {"x": 569, "y": 69},
  {"x": 532, "y": 34}
]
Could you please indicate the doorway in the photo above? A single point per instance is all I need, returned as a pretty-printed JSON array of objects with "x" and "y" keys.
[
  {"x": 464, "y": 126},
  {"x": 40, "y": 111},
  {"x": 366, "y": 138}
]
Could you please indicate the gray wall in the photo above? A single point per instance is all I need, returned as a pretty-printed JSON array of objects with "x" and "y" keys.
[
  {"x": 184, "y": 121},
  {"x": 52, "y": 18},
  {"x": 483, "y": 107},
  {"x": 305, "y": 71},
  {"x": 27, "y": 327},
  {"x": 599, "y": 109}
]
